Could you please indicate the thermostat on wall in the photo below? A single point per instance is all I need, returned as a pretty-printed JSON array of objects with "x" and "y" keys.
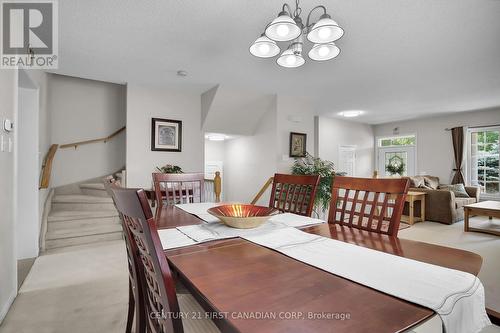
[{"x": 7, "y": 125}]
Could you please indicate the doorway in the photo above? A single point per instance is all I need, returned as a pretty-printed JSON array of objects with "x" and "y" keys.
[{"x": 396, "y": 156}]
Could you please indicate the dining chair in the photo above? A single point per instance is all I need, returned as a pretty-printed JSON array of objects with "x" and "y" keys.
[
  {"x": 160, "y": 298},
  {"x": 135, "y": 292},
  {"x": 294, "y": 193},
  {"x": 369, "y": 204},
  {"x": 178, "y": 188}
]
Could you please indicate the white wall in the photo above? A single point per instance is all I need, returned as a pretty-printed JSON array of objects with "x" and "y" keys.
[
  {"x": 434, "y": 145},
  {"x": 81, "y": 110},
  {"x": 40, "y": 79},
  {"x": 144, "y": 103},
  {"x": 8, "y": 266},
  {"x": 27, "y": 170},
  {"x": 214, "y": 150},
  {"x": 333, "y": 133},
  {"x": 251, "y": 160},
  {"x": 293, "y": 115}
]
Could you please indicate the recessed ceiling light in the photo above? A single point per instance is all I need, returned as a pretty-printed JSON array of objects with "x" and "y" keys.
[
  {"x": 182, "y": 73},
  {"x": 351, "y": 114},
  {"x": 216, "y": 137}
]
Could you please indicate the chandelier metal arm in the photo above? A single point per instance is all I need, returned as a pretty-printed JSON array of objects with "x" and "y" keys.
[
  {"x": 308, "y": 25},
  {"x": 287, "y": 9}
]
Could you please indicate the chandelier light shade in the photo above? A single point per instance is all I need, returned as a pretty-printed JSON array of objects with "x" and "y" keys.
[
  {"x": 283, "y": 28},
  {"x": 325, "y": 30},
  {"x": 290, "y": 59},
  {"x": 263, "y": 47},
  {"x": 321, "y": 52},
  {"x": 289, "y": 27}
]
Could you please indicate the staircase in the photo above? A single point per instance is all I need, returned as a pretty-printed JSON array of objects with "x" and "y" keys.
[{"x": 82, "y": 214}]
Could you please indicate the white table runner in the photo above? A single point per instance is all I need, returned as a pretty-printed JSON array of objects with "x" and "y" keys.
[
  {"x": 457, "y": 297},
  {"x": 200, "y": 210},
  {"x": 213, "y": 231}
]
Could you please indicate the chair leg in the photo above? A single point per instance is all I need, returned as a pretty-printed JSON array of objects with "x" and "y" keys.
[
  {"x": 131, "y": 308},
  {"x": 140, "y": 310}
]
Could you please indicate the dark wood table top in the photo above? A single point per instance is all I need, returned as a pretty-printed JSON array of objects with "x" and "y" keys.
[{"x": 239, "y": 278}]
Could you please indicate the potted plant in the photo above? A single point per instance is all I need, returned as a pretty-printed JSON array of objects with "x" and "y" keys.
[
  {"x": 310, "y": 165},
  {"x": 169, "y": 168}
]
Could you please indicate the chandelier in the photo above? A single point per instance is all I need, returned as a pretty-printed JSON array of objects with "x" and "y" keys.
[{"x": 288, "y": 27}]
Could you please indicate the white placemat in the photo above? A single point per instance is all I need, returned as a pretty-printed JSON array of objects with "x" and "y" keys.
[
  {"x": 456, "y": 296},
  {"x": 172, "y": 238}
]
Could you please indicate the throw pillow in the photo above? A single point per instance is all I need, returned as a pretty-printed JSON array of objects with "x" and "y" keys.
[
  {"x": 431, "y": 182},
  {"x": 458, "y": 189},
  {"x": 417, "y": 181}
]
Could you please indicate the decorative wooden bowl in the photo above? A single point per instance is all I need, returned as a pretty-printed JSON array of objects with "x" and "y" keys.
[{"x": 242, "y": 216}]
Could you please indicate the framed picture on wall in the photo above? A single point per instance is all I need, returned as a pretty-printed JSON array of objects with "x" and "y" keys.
[
  {"x": 297, "y": 144},
  {"x": 166, "y": 135}
]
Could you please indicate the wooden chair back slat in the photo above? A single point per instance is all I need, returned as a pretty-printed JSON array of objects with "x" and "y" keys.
[
  {"x": 293, "y": 203},
  {"x": 382, "y": 214},
  {"x": 181, "y": 188},
  {"x": 378, "y": 209},
  {"x": 283, "y": 193},
  {"x": 301, "y": 199},
  {"x": 351, "y": 216},
  {"x": 161, "y": 303}
]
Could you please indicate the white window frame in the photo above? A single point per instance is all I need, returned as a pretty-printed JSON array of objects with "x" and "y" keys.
[
  {"x": 382, "y": 137},
  {"x": 468, "y": 161}
]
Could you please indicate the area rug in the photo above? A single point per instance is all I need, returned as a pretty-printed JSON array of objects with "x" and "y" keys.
[{"x": 403, "y": 226}]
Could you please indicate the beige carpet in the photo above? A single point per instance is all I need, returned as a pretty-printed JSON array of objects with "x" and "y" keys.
[
  {"x": 487, "y": 246},
  {"x": 73, "y": 290}
]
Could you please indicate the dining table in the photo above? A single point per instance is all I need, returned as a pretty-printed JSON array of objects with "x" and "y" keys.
[{"x": 245, "y": 287}]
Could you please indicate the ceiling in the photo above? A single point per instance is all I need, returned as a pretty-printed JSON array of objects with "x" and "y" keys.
[{"x": 400, "y": 59}]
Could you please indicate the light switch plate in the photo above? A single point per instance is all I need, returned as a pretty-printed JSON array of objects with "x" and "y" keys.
[{"x": 7, "y": 125}]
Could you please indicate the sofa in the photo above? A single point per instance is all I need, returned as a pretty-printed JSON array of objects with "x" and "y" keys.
[{"x": 441, "y": 204}]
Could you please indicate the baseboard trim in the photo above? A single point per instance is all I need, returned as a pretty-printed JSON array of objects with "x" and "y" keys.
[{"x": 7, "y": 306}]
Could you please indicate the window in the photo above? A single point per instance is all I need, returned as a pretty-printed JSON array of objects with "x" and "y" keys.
[
  {"x": 483, "y": 160},
  {"x": 397, "y": 141}
]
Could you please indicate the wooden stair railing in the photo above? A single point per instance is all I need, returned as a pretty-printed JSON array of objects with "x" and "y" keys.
[
  {"x": 47, "y": 167},
  {"x": 262, "y": 190},
  {"x": 105, "y": 139},
  {"x": 47, "y": 162}
]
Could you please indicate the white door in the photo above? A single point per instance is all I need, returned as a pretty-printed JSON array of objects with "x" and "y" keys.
[
  {"x": 396, "y": 161},
  {"x": 347, "y": 160}
]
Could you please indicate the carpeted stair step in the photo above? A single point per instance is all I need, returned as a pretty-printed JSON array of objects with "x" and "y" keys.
[
  {"x": 94, "y": 189},
  {"x": 81, "y": 202}
]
